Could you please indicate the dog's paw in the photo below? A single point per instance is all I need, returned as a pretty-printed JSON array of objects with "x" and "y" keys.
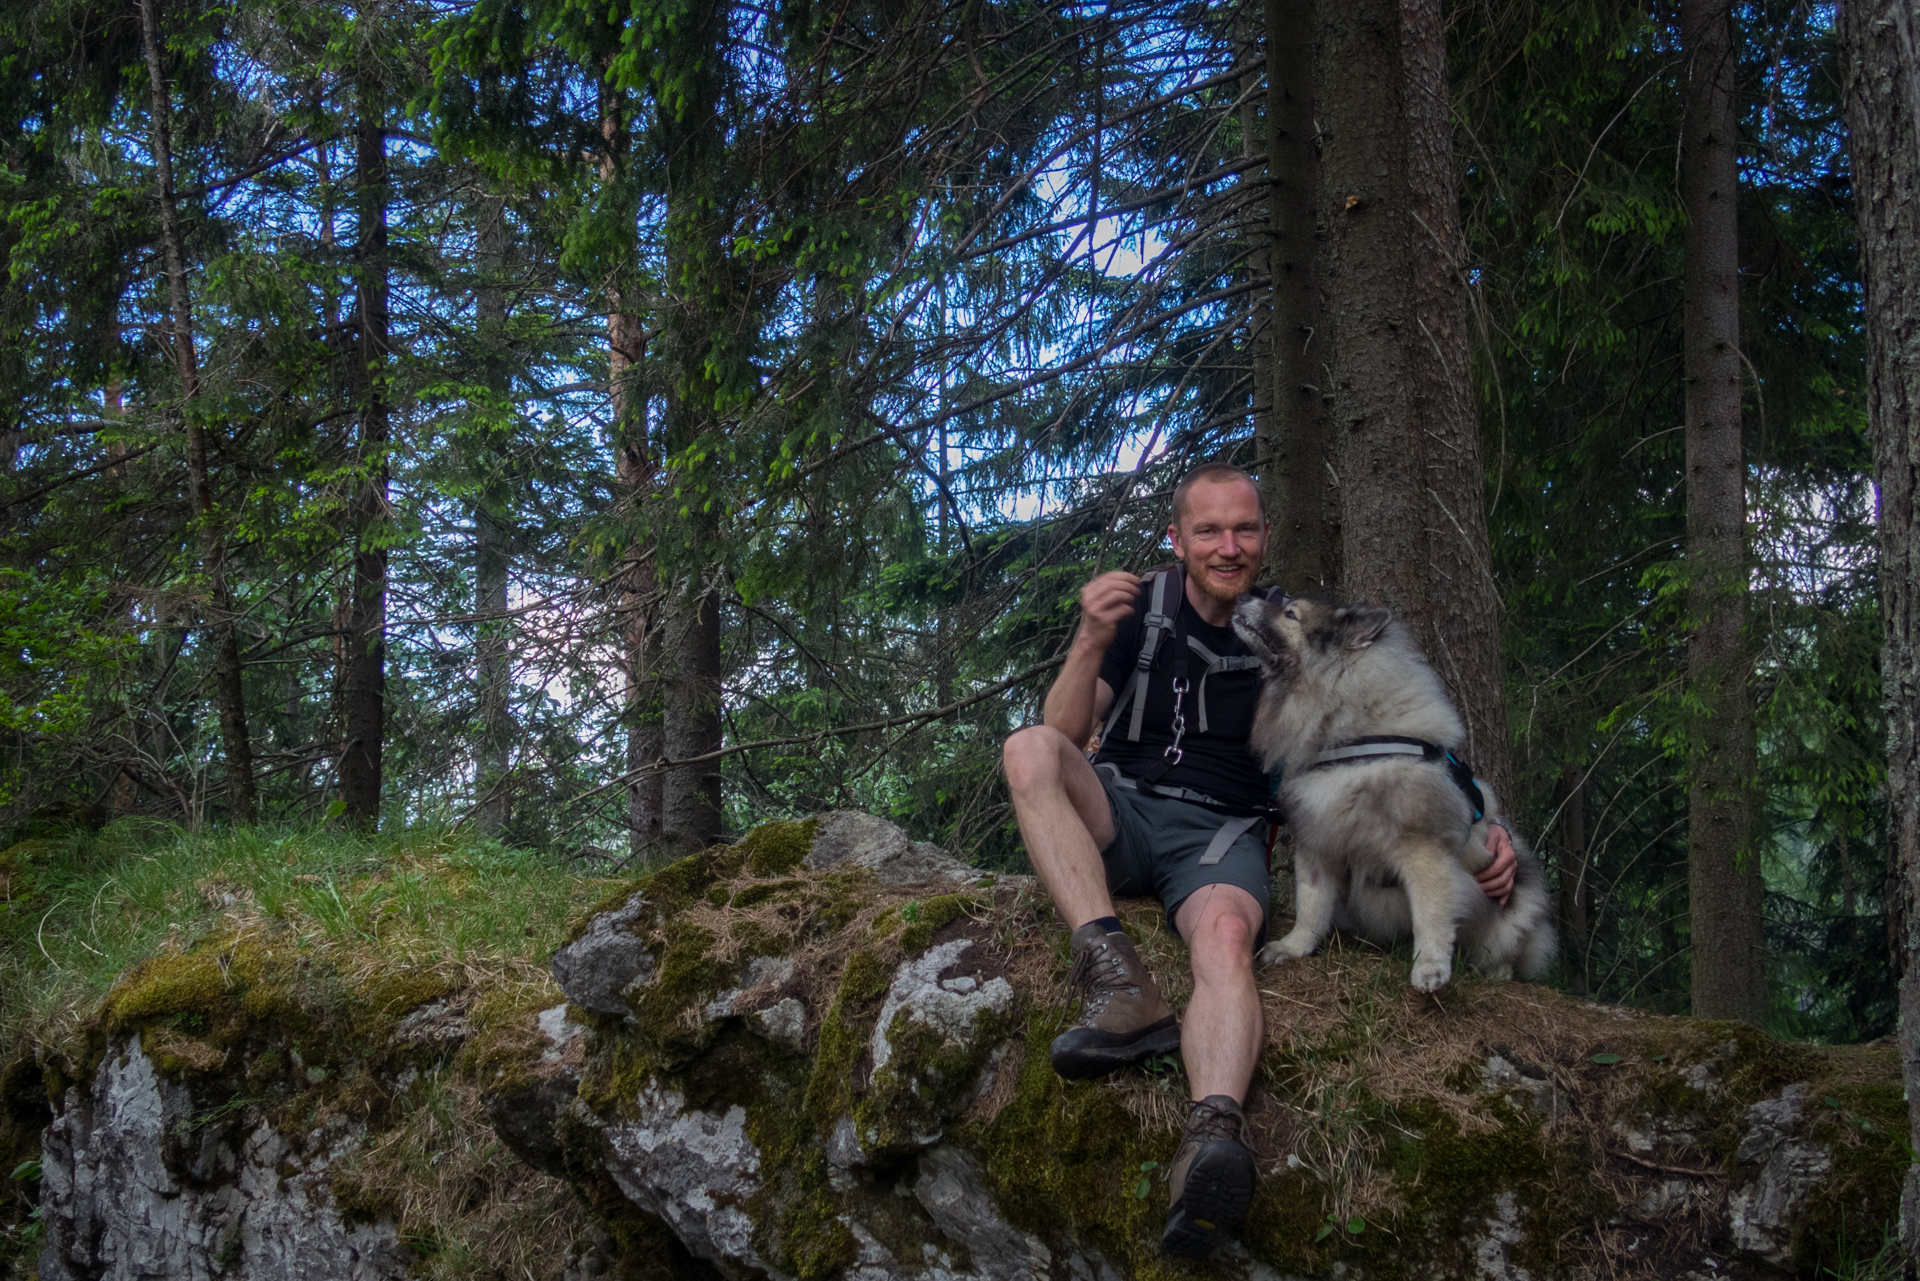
[
  {"x": 1290, "y": 948},
  {"x": 1431, "y": 975}
]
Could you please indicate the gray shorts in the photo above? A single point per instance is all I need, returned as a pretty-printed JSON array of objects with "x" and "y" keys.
[{"x": 1157, "y": 846}]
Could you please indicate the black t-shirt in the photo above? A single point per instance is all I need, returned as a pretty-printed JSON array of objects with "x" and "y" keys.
[{"x": 1217, "y": 761}]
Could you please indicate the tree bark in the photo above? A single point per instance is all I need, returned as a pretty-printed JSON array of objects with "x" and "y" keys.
[
  {"x": 636, "y": 471},
  {"x": 1881, "y": 39},
  {"x": 365, "y": 683},
  {"x": 1576, "y": 887},
  {"x": 229, "y": 692},
  {"x": 1297, "y": 433},
  {"x": 702, "y": 312},
  {"x": 636, "y": 468},
  {"x": 1724, "y": 885},
  {"x": 493, "y": 634},
  {"x": 1380, "y": 454},
  {"x": 1464, "y": 604}
]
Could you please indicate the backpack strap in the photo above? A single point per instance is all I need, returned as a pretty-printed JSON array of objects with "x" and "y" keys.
[
  {"x": 1215, "y": 663},
  {"x": 1169, "y": 586}
]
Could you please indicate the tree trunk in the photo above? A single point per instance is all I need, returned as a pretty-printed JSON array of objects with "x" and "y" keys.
[
  {"x": 701, "y": 310},
  {"x": 636, "y": 468},
  {"x": 1724, "y": 886},
  {"x": 690, "y": 809},
  {"x": 493, "y": 634},
  {"x": 228, "y": 689},
  {"x": 1297, "y": 433},
  {"x": 1380, "y": 454},
  {"x": 1464, "y": 604},
  {"x": 639, "y": 587},
  {"x": 366, "y": 650},
  {"x": 1882, "y": 54},
  {"x": 1576, "y": 886}
]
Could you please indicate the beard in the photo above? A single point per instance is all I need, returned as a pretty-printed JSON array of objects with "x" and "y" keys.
[{"x": 1197, "y": 574}]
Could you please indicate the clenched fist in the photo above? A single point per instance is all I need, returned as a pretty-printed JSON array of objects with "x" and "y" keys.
[{"x": 1104, "y": 603}]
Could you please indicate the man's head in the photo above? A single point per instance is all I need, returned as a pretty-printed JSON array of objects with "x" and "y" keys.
[{"x": 1219, "y": 530}]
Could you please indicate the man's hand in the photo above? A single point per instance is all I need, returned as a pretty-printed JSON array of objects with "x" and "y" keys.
[
  {"x": 1496, "y": 882},
  {"x": 1104, "y": 604}
]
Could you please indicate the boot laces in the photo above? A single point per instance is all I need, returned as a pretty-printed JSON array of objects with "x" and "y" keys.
[
  {"x": 1209, "y": 1121},
  {"x": 1099, "y": 973}
]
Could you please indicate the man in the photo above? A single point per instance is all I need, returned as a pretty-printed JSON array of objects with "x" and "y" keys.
[{"x": 1166, "y": 813}]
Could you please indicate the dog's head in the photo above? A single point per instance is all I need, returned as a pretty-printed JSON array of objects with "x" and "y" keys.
[{"x": 1285, "y": 633}]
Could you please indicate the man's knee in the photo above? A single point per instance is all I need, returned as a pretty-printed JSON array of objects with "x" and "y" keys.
[
  {"x": 1031, "y": 758},
  {"x": 1223, "y": 941}
]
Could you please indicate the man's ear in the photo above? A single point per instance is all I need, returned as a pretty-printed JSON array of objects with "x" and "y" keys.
[{"x": 1359, "y": 626}]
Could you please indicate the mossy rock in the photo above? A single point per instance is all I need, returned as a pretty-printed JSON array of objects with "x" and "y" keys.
[{"x": 1396, "y": 1135}]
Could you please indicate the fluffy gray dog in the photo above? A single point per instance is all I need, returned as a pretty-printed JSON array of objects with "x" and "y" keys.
[{"x": 1385, "y": 840}]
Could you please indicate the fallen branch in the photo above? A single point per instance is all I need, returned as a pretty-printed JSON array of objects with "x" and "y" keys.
[{"x": 633, "y": 776}]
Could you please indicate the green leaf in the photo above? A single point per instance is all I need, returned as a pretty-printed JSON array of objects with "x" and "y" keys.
[
  {"x": 336, "y": 809},
  {"x": 1149, "y": 1165},
  {"x": 1356, "y": 1225},
  {"x": 1830, "y": 1101},
  {"x": 1141, "y": 1188},
  {"x": 28, "y": 1170},
  {"x": 1606, "y": 1060},
  {"x": 1326, "y": 1230}
]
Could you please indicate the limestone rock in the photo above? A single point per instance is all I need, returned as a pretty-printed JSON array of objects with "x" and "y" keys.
[
  {"x": 951, "y": 1191},
  {"x": 851, "y": 838},
  {"x": 525, "y": 1108},
  {"x": 138, "y": 1182},
  {"x": 606, "y": 962},
  {"x": 952, "y": 1008},
  {"x": 695, "y": 1171},
  {"x": 1791, "y": 1167}
]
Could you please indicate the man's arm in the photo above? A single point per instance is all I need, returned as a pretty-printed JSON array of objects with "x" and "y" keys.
[{"x": 1079, "y": 698}]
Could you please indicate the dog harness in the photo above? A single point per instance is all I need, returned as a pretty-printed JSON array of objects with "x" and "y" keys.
[{"x": 1381, "y": 747}]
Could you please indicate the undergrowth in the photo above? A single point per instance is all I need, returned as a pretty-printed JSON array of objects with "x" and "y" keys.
[
  {"x": 78, "y": 911},
  {"x": 107, "y": 933}
]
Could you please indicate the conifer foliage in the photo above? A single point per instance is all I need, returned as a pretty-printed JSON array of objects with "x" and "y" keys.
[{"x": 613, "y": 425}]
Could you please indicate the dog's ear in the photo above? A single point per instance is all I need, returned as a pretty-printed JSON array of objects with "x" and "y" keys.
[{"x": 1359, "y": 626}]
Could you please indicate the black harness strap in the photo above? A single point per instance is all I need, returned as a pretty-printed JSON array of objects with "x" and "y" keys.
[{"x": 1383, "y": 747}]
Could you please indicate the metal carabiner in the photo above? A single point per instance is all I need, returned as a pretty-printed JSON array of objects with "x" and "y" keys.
[{"x": 1173, "y": 749}]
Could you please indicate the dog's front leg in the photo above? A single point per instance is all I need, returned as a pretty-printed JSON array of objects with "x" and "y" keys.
[
  {"x": 1316, "y": 893},
  {"x": 1433, "y": 888}
]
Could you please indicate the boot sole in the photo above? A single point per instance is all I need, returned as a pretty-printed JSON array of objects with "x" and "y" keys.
[
  {"x": 1213, "y": 1202},
  {"x": 1079, "y": 1063}
]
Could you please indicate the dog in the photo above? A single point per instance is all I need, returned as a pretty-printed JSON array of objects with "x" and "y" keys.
[{"x": 1385, "y": 845}]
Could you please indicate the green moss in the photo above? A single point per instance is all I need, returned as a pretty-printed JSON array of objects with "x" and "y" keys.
[
  {"x": 843, "y": 1036},
  {"x": 929, "y": 916},
  {"x": 776, "y": 849},
  {"x": 1450, "y": 1176},
  {"x": 865, "y": 979},
  {"x": 765, "y": 891},
  {"x": 1063, "y": 1155},
  {"x": 193, "y": 982},
  {"x": 1865, "y": 1133},
  {"x": 823, "y": 1245}
]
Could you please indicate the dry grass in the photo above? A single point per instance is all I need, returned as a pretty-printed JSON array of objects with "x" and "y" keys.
[{"x": 465, "y": 1205}]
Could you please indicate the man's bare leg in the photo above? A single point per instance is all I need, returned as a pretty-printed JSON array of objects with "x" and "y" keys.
[
  {"x": 1064, "y": 820},
  {"x": 1211, "y": 1179},
  {"x": 1223, "y": 1025}
]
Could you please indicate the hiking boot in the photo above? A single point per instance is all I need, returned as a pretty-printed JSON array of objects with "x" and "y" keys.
[
  {"x": 1211, "y": 1180},
  {"x": 1123, "y": 1017}
]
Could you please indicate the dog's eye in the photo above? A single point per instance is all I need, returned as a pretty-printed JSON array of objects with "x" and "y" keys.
[{"x": 1294, "y": 616}]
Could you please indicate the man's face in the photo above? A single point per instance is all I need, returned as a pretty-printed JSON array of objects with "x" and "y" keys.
[{"x": 1220, "y": 537}]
